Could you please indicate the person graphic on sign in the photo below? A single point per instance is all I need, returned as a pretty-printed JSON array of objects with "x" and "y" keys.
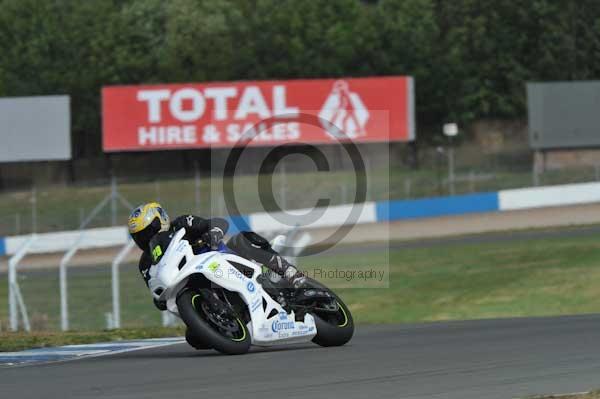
[{"x": 341, "y": 110}]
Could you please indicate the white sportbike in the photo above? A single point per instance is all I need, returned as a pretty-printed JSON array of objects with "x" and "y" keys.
[{"x": 229, "y": 303}]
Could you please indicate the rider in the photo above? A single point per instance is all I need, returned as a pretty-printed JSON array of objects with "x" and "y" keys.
[{"x": 152, "y": 231}]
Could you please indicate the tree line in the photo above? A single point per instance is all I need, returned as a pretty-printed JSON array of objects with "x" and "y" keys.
[{"x": 470, "y": 58}]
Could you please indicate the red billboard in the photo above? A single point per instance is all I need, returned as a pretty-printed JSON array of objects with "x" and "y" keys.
[{"x": 261, "y": 113}]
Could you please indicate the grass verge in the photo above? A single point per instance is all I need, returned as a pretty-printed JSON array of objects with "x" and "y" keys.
[
  {"x": 588, "y": 395},
  {"x": 20, "y": 341},
  {"x": 531, "y": 277}
]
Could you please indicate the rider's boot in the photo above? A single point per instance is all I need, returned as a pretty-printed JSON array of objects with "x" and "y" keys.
[{"x": 291, "y": 276}]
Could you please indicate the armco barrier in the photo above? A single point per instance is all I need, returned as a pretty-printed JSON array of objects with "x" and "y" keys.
[
  {"x": 539, "y": 197},
  {"x": 63, "y": 240},
  {"x": 329, "y": 217},
  {"x": 370, "y": 212},
  {"x": 442, "y": 206}
]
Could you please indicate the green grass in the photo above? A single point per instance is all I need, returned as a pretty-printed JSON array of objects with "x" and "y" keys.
[{"x": 511, "y": 279}]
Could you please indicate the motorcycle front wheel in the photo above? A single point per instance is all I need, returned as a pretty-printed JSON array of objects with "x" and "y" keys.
[
  {"x": 334, "y": 327},
  {"x": 224, "y": 331}
]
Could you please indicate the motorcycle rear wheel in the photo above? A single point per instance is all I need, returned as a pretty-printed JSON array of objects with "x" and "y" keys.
[{"x": 229, "y": 336}]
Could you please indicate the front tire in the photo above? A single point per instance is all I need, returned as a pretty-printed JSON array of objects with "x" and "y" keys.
[
  {"x": 233, "y": 341},
  {"x": 333, "y": 328},
  {"x": 194, "y": 341}
]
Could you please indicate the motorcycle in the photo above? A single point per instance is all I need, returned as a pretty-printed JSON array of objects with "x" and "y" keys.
[{"x": 229, "y": 303}]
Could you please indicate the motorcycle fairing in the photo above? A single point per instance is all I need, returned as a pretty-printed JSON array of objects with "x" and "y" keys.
[{"x": 167, "y": 280}]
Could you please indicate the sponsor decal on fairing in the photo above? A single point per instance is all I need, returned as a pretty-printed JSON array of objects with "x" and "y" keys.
[{"x": 282, "y": 323}]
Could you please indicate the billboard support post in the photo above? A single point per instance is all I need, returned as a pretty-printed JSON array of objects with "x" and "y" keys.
[
  {"x": 538, "y": 166},
  {"x": 113, "y": 202},
  {"x": 534, "y": 171},
  {"x": 407, "y": 187},
  {"x": 33, "y": 209},
  {"x": 17, "y": 223},
  {"x": 197, "y": 187},
  {"x": 367, "y": 162},
  {"x": 450, "y": 130},
  {"x": 451, "y": 167}
]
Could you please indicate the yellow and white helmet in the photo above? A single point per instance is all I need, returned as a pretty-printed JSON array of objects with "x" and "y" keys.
[{"x": 146, "y": 221}]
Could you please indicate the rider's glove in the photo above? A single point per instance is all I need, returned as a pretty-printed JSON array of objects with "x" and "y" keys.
[{"x": 213, "y": 237}]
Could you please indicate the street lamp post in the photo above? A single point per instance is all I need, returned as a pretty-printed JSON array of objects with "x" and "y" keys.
[
  {"x": 450, "y": 131},
  {"x": 438, "y": 167}
]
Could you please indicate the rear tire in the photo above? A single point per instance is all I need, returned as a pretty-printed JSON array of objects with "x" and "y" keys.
[
  {"x": 203, "y": 331},
  {"x": 332, "y": 329}
]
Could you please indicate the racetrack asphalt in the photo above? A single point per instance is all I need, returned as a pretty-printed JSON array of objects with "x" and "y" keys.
[{"x": 471, "y": 359}]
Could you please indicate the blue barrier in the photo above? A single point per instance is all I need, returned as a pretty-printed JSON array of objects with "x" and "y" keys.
[
  {"x": 2, "y": 246},
  {"x": 237, "y": 224},
  {"x": 431, "y": 207}
]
